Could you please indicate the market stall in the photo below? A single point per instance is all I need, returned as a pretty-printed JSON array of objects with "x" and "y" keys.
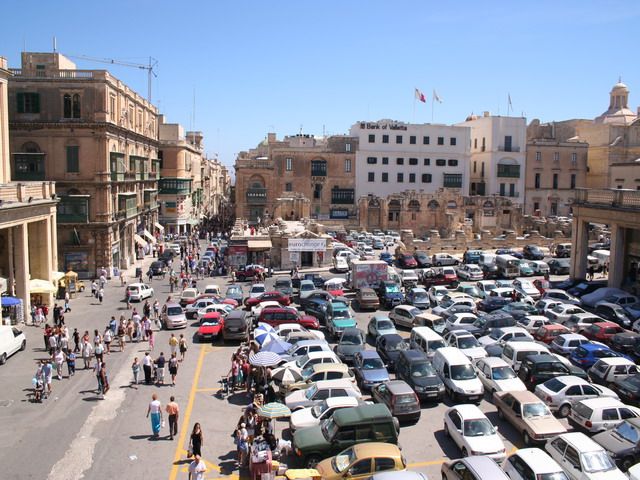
[{"x": 12, "y": 310}]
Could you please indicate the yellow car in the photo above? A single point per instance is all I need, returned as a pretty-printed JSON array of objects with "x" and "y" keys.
[{"x": 362, "y": 461}]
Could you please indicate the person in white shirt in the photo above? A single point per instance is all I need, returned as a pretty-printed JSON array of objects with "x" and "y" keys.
[
  {"x": 147, "y": 363},
  {"x": 197, "y": 468},
  {"x": 155, "y": 410}
]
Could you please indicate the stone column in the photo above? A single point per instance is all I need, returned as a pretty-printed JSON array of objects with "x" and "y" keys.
[
  {"x": 21, "y": 259},
  {"x": 580, "y": 248},
  {"x": 53, "y": 241},
  {"x": 618, "y": 253}
]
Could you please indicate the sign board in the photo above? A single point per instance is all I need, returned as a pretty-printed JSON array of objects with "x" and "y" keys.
[
  {"x": 307, "y": 245},
  {"x": 237, "y": 255},
  {"x": 339, "y": 213},
  {"x": 294, "y": 256}
]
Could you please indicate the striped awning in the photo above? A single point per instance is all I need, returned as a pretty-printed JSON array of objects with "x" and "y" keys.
[
  {"x": 159, "y": 227},
  {"x": 140, "y": 241},
  {"x": 148, "y": 235}
]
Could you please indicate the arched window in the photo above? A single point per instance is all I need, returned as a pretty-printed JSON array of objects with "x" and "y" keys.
[
  {"x": 414, "y": 206},
  {"x": 66, "y": 105},
  {"x": 433, "y": 205},
  {"x": 394, "y": 210},
  {"x": 374, "y": 203},
  {"x": 76, "y": 106}
]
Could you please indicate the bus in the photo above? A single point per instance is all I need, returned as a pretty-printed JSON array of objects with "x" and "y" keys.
[{"x": 508, "y": 266}]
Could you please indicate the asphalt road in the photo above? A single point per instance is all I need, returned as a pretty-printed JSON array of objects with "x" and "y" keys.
[{"x": 75, "y": 435}]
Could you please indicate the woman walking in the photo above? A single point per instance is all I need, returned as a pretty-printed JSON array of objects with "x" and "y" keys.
[
  {"x": 173, "y": 368},
  {"x": 135, "y": 368},
  {"x": 155, "y": 411},
  {"x": 196, "y": 441},
  {"x": 183, "y": 347}
]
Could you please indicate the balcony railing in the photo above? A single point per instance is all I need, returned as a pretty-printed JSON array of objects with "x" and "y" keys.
[
  {"x": 616, "y": 198},
  {"x": 343, "y": 196},
  {"x": 507, "y": 148},
  {"x": 257, "y": 196},
  {"x": 253, "y": 163},
  {"x": 117, "y": 176}
]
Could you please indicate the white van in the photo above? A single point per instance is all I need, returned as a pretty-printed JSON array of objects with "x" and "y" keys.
[
  {"x": 508, "y": 266},
  {"x": 515, "y": 352},
  {"x": 487, "y": 259},
  {"x": 213, "y": 289},
  {"x": 11, "y": 340},
  {"x": 602, "y": 256},
  {"x": 458, "y": 375},
  {"x": 427, "y": 340}
]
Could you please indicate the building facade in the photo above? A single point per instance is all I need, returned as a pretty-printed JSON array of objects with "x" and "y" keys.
[
  {"x": 299, "y": 176},
  {"x": 497, "y": 160},
  {"x": 98, "y": 140},
  {"x": 394, "y": 156},
  {"x": 28, "y": 250},
  {"x": 555, "y": 167}
]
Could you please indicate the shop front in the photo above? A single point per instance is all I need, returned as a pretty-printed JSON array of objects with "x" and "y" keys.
[{"x": 306, "y": 252}]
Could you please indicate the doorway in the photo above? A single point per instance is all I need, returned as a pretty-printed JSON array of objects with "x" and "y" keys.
[{"x": 306, "y": 259}]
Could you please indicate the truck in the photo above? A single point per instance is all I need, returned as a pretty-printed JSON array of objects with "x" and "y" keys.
[{"x": 367, "y": 274}]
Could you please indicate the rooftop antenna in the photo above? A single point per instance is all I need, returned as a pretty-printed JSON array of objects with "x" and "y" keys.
[{"x": 55, "y": 44}]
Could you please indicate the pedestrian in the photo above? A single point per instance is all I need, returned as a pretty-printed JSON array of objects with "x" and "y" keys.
[
  {"x": 76, "y": 340},
  {"x": 197, "y": 468},
  {"x": 242, "y": 444},
  {"x": 146, "y": 366},
  {"x": 151, "y": 340},
  {"x": 107, "y": 337},
  {"x": 127, "y": 298},
  {"x": 87, "y": 351},
  {"x": 53, "y": 344},
  {"x": 196, "y": 440},
  {"x": 103, "y": 380},
  {"x": 98, "y": 351},
  {"x": 173, "y": 411},
  {"x": 67, "y": 308},
  {"x": 146, "y": 309},
  {"x": 94, "y": 289},
  {"x": 121, "y": 331},
  {"x": 47, "y": 374},
  {"x": 56, "y": 314},
  {"x": 173, "y": 368},
  {"x": 155, "y": 411},
  {"x": 71, "y": 363},
  {"x": 160, "y": 364},
  {"x": 173, "y": 344},
  {"x": 101, "y": 294},
  {"x": 113, "y": 326},
  {"x": 135, "y": 368},
  {"x": 183, "y": 347},
  {"x": 590, "y": 273},
  {"x": 59, "y": 359},
  {"x": 156, "y": 309}
]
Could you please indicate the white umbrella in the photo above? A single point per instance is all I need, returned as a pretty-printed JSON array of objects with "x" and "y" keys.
[
  {"x": 264, "y": 359},
  {"x": 335, "y": 281}
]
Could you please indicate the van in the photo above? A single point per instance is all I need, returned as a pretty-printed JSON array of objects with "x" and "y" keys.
[
  {"x": 458, "y": 375},
  {"x": 563, "y": 250},
  {"x": 602, "y": 256},
  {"x": 472, "y": 256},
  {"x": 414, "y": 367},
  {"x": 426, "y": 340},
  {"x": 508, "y": 266},
  {"x": 347, "y": 427},
  {"x": 515, "y": 352},
  {"x": 11, "y": 341},
  {"x": 212, "y": 289},
  {"x": 236, "y": 326},
  {"x": 487, "y": 259}
]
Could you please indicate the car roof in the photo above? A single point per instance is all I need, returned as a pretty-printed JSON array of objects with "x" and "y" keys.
[
  {"x": 485, "y": 467},
  {"x": 581, "y": 442},
  {"x": 172, "y": 305},
  {"x": 469, "y": 411},
  {"x": 523, "y": 396},
  {"x": 369, "y": 354},
  {"x": 310, "y": 342},
  {"x": 338, "y": 382},
  {"x": 571, "y": 380},
  {"x": 616, "y": 361},
  {"x": 572, "y": 336},
  {"x": 330, "y": 367},
  {"x": 539, "y": 459},
  {"x": 592, "y": 346},
  {"x": 376, "y": 449},
  {"x": 404, "y": 307},
  {"x": 413, "y": 355},
  {"x": 258, "y": 285},
  {"x": 398, "y": 387},
  {"x": 494, "y": 362},
  {"x": 380, "y": 316},
  {"x": 601, "y": 402},
  {"x": 341, "y": 401}
]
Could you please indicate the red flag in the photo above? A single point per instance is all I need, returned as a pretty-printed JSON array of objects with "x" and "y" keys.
[{"x": 420, "y": 96}]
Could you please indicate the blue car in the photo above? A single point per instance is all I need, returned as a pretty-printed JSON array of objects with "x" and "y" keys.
[
  {"x": 369, "y": 369},
  {"x": 419, "y": 298},
  {"x": 589, "y": 353},
  {"x": 386, "y": 257}
]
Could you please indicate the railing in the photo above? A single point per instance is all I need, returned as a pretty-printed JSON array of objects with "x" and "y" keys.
[
  {"x": 253, "y": 163},
  {"x": 117, "y": 176},
  {"x": 256, "y": 195},
  {"x": 17, "y": 72},
  {"x": 617, "y": 198},
  {"x": 502, "y": 148}
]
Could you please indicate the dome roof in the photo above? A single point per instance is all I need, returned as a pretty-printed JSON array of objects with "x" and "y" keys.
[{"x": 620, "y": 86}]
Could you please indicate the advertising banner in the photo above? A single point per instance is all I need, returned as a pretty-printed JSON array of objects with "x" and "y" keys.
[{"x": 307, "y": 245}]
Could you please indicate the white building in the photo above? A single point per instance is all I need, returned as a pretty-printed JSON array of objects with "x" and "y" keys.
[
  {"x": 393, "y": 157},
  {"x": 498, "y": 158}
]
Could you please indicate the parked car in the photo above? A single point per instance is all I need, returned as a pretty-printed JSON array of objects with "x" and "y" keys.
[
  {"x": 460, "y": 321},
  {"x": 436, "y": 293},
  {"x": 369, "y": 369},
  {"x": 406, "y": 260},
  {"x": 614, "y": 313},
  {"x": 390, "y": 294},
  {"x": 423, "y": 259},
  {"x": 311, "y": 416},
  {"x": 561, "y": 392},
  {"x": 561, "y": 313},
  {"x": 466, "y": 343},
  {"x": 236, "y": 326},
  {"x": 455, "y": 305},
  {"x": 562, "y": 295},
  {"x": 529, "y": 415},
  {"x": 559, "y": 266},
  {"x": 587, "y": 354},
  {"x": 565, "y": 343},
  {"x": 352, "y": 341},
  {"x": 319, "y": 391},
  {"x": 472, "y": 468},
  {"x": 519, "y": 309},
  {"x": 539, "y": 368},
  {"x": 139, "y": 291},
  {"x": 622, "y": 443},
  {"x": 234, "y": 292},
  {"x": 497, "y": 376},
  {"x": 607, "y": 370},
  {"x": 12, "y": 340},
  {"x": 305, "y": 289},
  {"x": 532, "y": 252},
  {"x": 380, "y": 325},
  {"x": 503, "y": 335},
  {"x": 389, "y": 347},
  {"x": 399, "y": 398},
  {"x": 531, "y": 323},
  {"x": 173, "y": 316},
  {"x": 628, "y": 388},
  {"x": 362, "y": 461},
  {"x": 580, "y": 322},
  {"x": 563, "y": 250},
  {"x": 413, "y": 367},
  {"x": 582, "y": 458},
  {"x": 602, "y": 331},
  {"x": 547, "y": 333},
  {"x": 601, "y": 294},
  {"x": 492, "y": 303},
  {"x": 533, "y": 464},
  {"x": 419, "y": 298},
  {"x": 526, "y": 287},
  {"x": 275, "y": 316},
  {"x": 596, "y": 415},
  {"x": 210, "y": 327},
  {"x": 405, "y": 315},
  {"x": 248, "y": 272},
  {"x": 473, "y": 433},
  {"x": 444, "y": 259},
  {"x": 470, "y": 272},
  {"x": 367, "y": 298}
]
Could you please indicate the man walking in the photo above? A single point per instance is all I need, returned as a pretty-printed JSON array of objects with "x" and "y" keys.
[
  {"x": 146, "y": 365},
  {"x": 160, "y": 364},
  {"x": 197, "y": 468},
  {"x": 173, "y": 411}
]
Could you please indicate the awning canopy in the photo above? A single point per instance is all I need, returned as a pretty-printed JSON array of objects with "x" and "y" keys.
[
  {"x": 258, "y": 245},
  {"x": 41, "y": 286},
  {"x": 57, "y": 276},
  {"x": 159, "y": 227},
  {"x": 10, "y": 301},
  {"x": 147, "y": 234},
  {"x": 140, "y": 241}
]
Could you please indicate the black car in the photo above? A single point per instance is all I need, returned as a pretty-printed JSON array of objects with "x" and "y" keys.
[
  {"x": 423, "y": 259},
  {"x": 628, "y": 389},
  {"x": 582, "y": 287},
  {"x": 414, "y": 368},
  {"x": 317, "y": 307},
  {"x": 389, "y": 348},
  {"x": 167, "y": 256},
  {"x": 537, "y": 369},
  {"x": 485, "y": 324},
  {"x": 509, "y": 251},
  {"x": 625, "y": 342},
  {"x": 559, "y": 266},
  {"x": 622, "y": 443},
  {"x": 157, "y": 268},
  {"x": 614, "y": 313},
  {"x": 532, "y": 252},
  {"x": 492, "y": 303},
  {"x": 490, "y": 271}
]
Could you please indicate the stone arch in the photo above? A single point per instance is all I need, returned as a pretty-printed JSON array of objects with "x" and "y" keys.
[
  {"x": 394, "y": 207},
  {"x": 74, "y": 191},
  {"x": 256, "y": 181},
  {"x": 30, "y": 147},
  {"x": 414, "y": 206},
  {"x": 433, "y": 205}
]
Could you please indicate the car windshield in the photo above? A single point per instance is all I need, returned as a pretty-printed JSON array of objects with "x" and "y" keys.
[
  {"x": 351, "y": 339},
  {"x": 257, "y": 289},
  {"x": 554, "y": 385},
  {"x": 233, "y": 291},
  {"x": 473, "y": 291},
  {"x": 400, "y": 345},
  {"x": 446, "y": 303},
  {"x": 341, "y": 314},
  {"x": 343, "y": 460},
  {"x": 596, "y": 462},
  {"x": 531, "y": 410},
  {"x": 311, "y": 391},
  {"x": 174, "y": 311},
  {"x": 435, "y": 345},
  {"x": 627, "y": 432},
  {"x": 372, "y": 364},
  {"x": 496, "y": 334},
  {"x": 462, "y": 372},
  {"x": 329, "y": 429},
  {"x": 307, "y": 286},
  {"x": 480, "y": 322},
  {"x": 419, "y": 295},
  {"x": 423, "y": 369},
  {"x": 414, "y": 311},
  {"x": 302, "y": 361},
  {"x": 478, "y": 427},
  {"x": 307, "y": 372},
  {"x": 552, "y": 476},
  {"x": 393, "y": 289},
  {"x": 467, "y": 342},
  {"x": 283, "y": 283},
  {"x": 210, "y": 322},
  {"x": 385, "y": 325},
  {"x": 502, "y": 373}
]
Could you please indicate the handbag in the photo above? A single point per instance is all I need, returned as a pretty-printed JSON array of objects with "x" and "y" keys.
[{"x": 190, "y": 450}]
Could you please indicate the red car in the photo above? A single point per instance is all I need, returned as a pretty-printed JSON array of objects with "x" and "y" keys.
[
  {"x": 547, "y": 333},
  {"x": 274, "y": 296},
  {"x": 210, "y": 326},
  {"x": 248, "y": 272},
  {"x": 603, "y": 331},
  {"x": 275, "y": 316},
  {"x": 407, "y": 261}
]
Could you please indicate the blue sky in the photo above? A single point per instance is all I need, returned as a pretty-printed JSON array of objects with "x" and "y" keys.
[{"x": 259, "y": 66}]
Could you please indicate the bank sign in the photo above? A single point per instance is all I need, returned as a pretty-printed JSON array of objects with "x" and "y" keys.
[{"x": 307, "y": 244}]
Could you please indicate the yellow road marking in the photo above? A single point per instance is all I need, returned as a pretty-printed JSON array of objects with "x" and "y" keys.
[
  {"x": 187, "y": 415},
  {"x": 210, "y": 466}
]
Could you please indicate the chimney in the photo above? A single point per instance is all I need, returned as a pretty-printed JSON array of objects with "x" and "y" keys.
[{"x": 271, "y": 137}]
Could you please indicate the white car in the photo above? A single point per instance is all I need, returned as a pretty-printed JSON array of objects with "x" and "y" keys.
[
  {"x": 12, "y": 340},
  {"x": 531, "y": 323},
  {"x": 560, "y": 393},
  {"x": 596, "y": 415},
  {"x": 473, "y": 433},
  {"x": 527, "y": 287},
  {"x": 191, "y": 310},
  {"x": 256, "y": 310},
  {"x": 212, "y": 288},
  {"x": 320, "y": 391},
  {"x": 469, "y": 271},
  {"x": 561, "y": 313},
  {"x": 460, "y": 320},
  {"x": 306, "y": 361},
  {"x": 405, "y": 315},
  {"x": 222, "y": 308},
  {"x": 590, "y": 299},
  {"x": 545, "y": 304},
  {"x": 139, "y": 291},
  {"x": 341, "y": 264},
  {"x": 503, "y": 335},
  {"x": 312, "y": 416},
  {"x": 533, "y": 463},
  {"x": 175, "y": 247},
  {"x": 409, "y": 276},
  {"x": 256, "y": 290},
  {"x": 582, "y": 458},
  {"x": 565, "y": 343},
  {"x": 486, "y": 286},
  {"x": 285, "y": 329},
  {"x": 561, "y": 295},
  {"x": 466, "y": 343},
  {"x": 455, "y": 305},
  {"x": 436, "y": 293},
  {"x": 497, "y": 376},
  {"x": 579, "y": 322}
]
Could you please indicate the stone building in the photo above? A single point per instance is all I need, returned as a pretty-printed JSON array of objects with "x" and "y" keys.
[
  {"x": 556, "y": 166},
  {"x": 98, "y": 140},
  {"x": 28, "y": 250},
  {"x": 299, "y": 176}
]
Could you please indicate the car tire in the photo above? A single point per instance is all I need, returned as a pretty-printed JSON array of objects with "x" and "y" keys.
[
  {"x": 465, "y": 453},
  {"x": 564, "y": 410},
  {"x": 313, "y": 460},
  {"x": 23, "y": 345},
  {"x": 627, "y": 463},
  {"x": 527, "y": 439},
  {"x": 439, "y": 264},
  {"x": 3, "y": 359}
]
